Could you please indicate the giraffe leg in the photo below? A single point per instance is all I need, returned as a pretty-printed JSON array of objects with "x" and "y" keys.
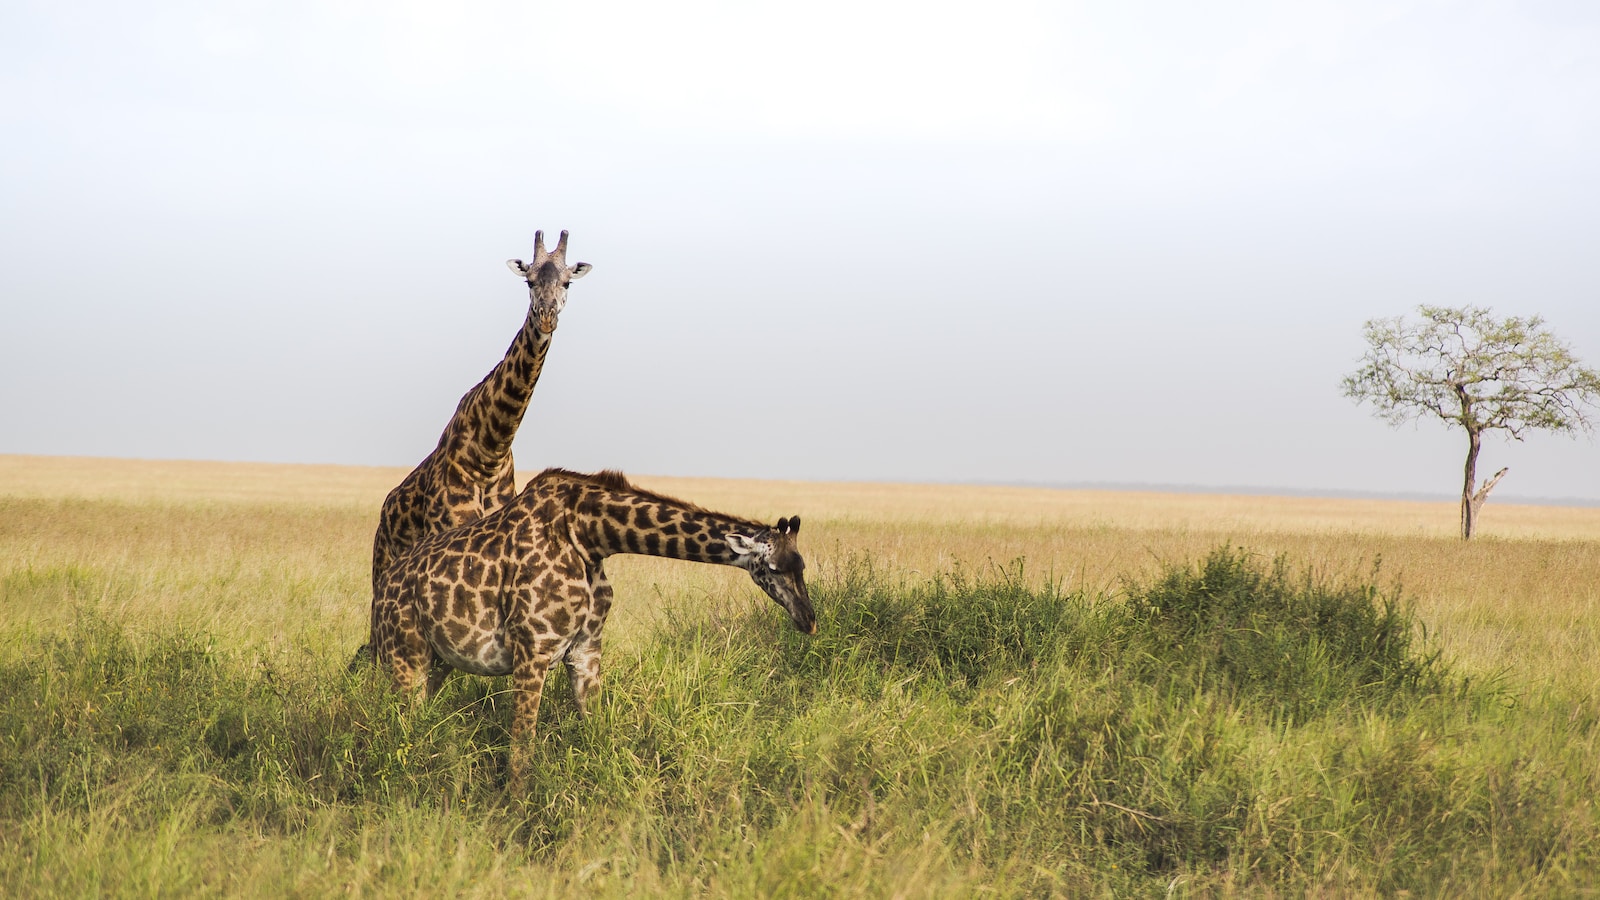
[
  {"x": 527, "y": 683},
  {"x": 437, "y": 672},
  {"x": 583, "y": 658},
  {"x": 398, "y": 647},
  {"x": 408, "y": 677},
  {"x": 583, "y": 670}
]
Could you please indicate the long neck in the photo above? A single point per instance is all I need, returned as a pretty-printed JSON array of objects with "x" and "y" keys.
[
  {"x": 480, "y": 433},
  {"x": 619, "y": 521}
]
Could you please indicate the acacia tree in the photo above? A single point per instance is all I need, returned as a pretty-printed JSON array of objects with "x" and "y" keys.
[{"x": 1471, "y": 369}]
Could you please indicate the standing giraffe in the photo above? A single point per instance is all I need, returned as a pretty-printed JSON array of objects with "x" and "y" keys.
[
  {"x": 470, "y": 472},
  {"x": 523, "y": 586}
]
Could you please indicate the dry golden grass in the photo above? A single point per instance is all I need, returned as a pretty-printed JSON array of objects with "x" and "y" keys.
[
  {"x": 184, "y": 481},
  {"x": 277, "y": 555}
]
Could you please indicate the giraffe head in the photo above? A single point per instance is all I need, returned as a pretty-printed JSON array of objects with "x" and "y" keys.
[
  {"x": 548, "y": 276},
  {"x": 776, "y": 567}
]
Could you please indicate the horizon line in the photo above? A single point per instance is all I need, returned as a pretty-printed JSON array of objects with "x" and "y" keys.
[{"x": 1152, "y": 487}]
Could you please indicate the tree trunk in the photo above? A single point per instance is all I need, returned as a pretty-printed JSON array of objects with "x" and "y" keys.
[
  {"x": 1469, "y": 509},
  {"x": 1472, "y": 500}
]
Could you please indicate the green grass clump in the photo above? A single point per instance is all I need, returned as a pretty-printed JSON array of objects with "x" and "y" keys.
[
  {"x": 1228, "y": 727},
  {"x": 1295, "y": 644}
]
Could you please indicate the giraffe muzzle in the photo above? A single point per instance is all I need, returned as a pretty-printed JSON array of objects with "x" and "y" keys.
[{"x": 805, "y": 621}]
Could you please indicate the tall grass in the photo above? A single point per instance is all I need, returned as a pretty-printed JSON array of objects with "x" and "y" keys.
[
  {"x": 291, "y": 575},
  {"x": 1236, "y": 725}
]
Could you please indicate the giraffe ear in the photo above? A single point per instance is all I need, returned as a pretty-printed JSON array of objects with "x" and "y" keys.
[
  {"x": 516, "y": 265},
  {"x": 578, "y": 271},
  {"x": 744, "y": 545}
]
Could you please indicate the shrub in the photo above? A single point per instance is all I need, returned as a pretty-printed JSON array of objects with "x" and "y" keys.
[{"x": 1297, "y": 645}]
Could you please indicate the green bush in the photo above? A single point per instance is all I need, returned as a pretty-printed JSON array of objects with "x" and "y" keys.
[{"x": 1295, "y": 645}]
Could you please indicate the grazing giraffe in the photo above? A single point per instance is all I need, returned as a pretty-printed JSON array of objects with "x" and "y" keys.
[
  {"x": 524, "y": 586},
  {"x": 470, "y": 473}
]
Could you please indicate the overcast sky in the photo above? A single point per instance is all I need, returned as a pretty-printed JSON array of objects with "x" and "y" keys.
[{"x": 1112, "y": 242}]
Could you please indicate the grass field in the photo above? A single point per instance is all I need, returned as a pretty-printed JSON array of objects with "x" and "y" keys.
[{"x": 1012, "y": 692}]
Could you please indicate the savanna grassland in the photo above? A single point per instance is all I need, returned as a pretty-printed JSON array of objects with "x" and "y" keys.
[{"x": 1012, "y": 692}]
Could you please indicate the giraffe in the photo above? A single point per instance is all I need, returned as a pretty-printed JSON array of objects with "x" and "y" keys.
[
  {"x": 470, "y": 472},
  {"x": 522, "y": 587}
]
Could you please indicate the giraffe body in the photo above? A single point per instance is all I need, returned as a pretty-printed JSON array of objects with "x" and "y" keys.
[{"x": 524, "y": 586}]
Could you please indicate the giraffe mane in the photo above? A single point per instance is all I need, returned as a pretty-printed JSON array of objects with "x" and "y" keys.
[{"x": 614, "y": 480}]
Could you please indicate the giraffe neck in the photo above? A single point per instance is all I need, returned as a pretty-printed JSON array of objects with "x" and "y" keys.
[
  {"x": 479, "y": 435},
  {"x": 611, "y": 521}
]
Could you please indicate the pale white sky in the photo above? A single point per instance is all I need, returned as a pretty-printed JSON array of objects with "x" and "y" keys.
[{"x": 1028, "y": 242}]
